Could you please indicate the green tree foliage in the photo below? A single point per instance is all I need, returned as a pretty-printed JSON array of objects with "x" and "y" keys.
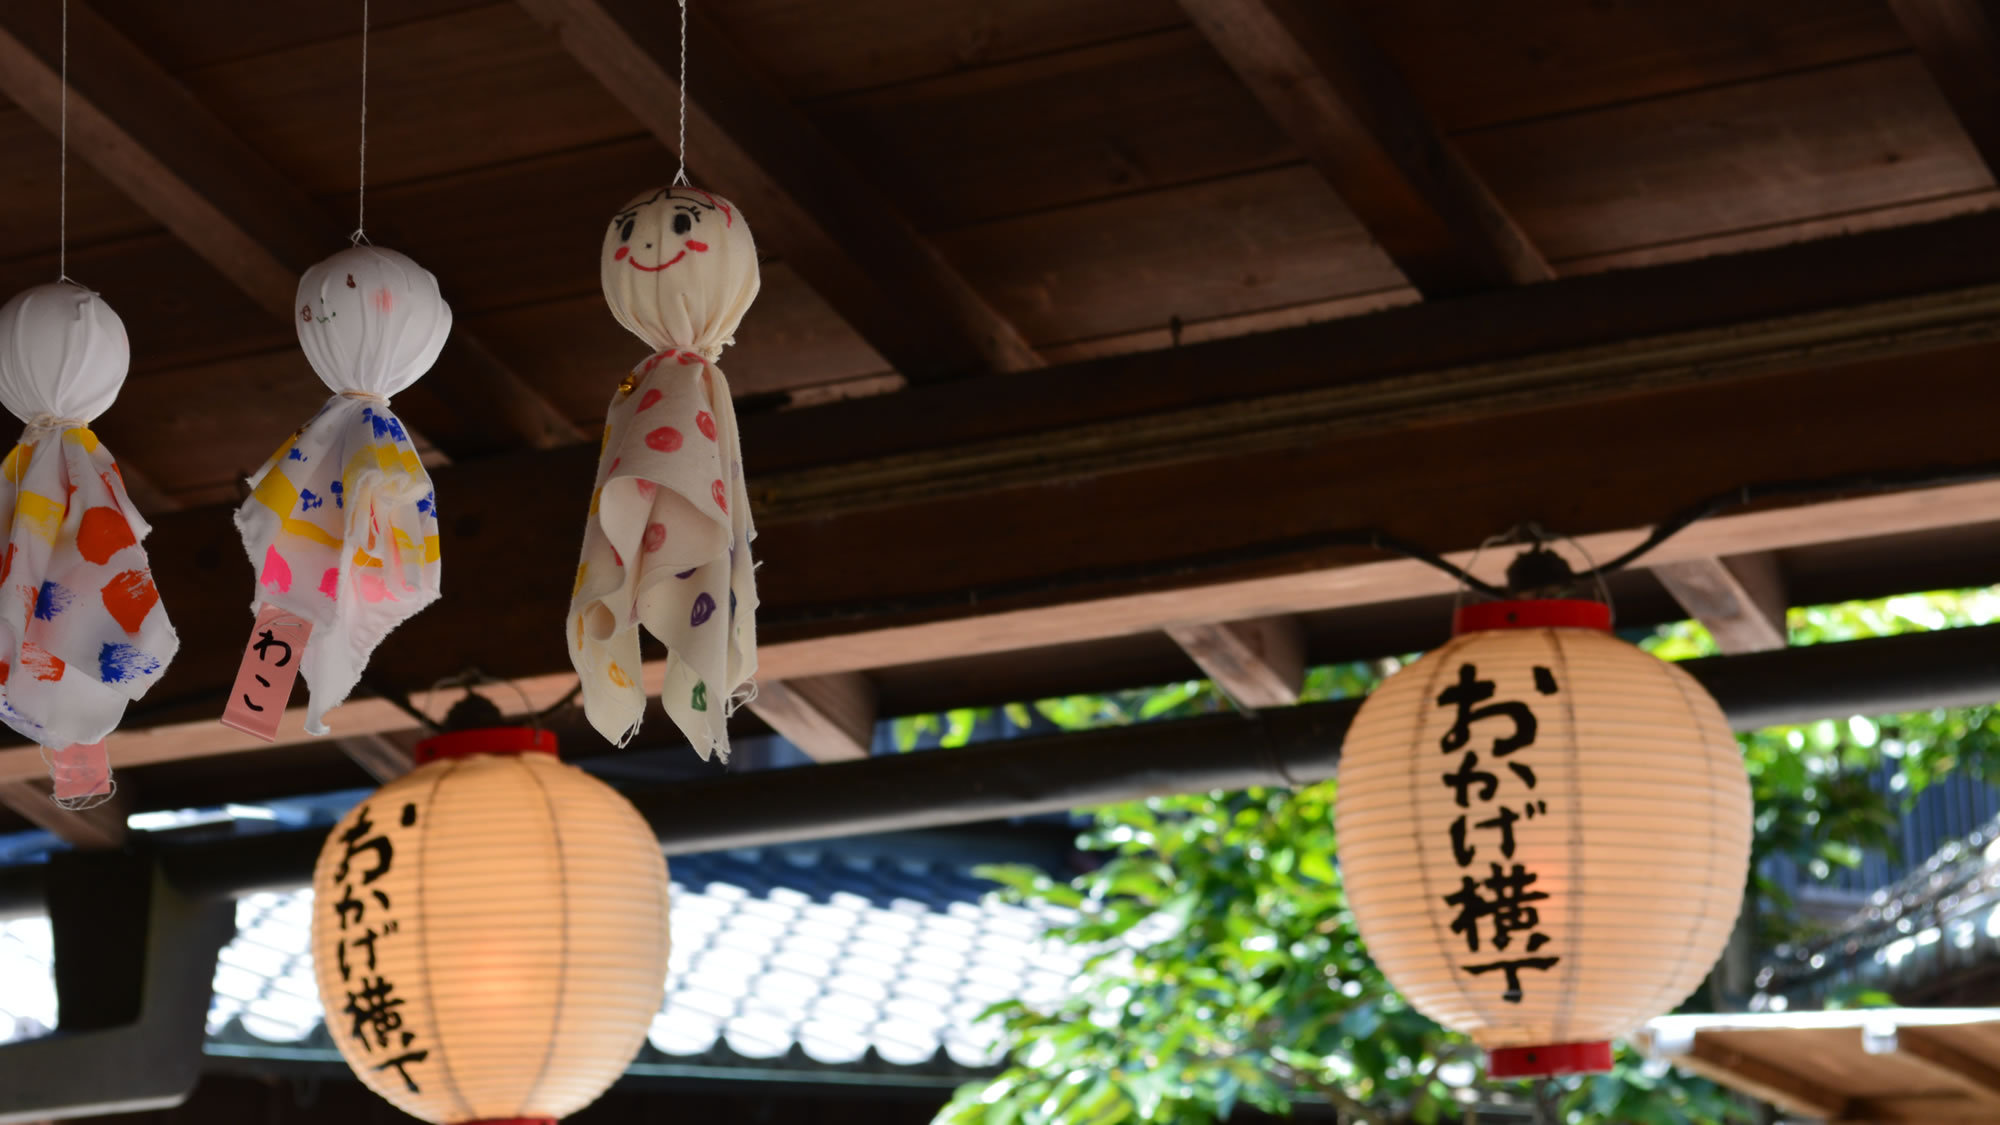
[{"x": 1226, "y": 970}]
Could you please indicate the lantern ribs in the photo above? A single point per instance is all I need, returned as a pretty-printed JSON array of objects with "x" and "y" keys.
[
  {"x": 142, "y": 130},
  {"x": 809, "y": 201},
  {"x": 1341, "y": 99}
]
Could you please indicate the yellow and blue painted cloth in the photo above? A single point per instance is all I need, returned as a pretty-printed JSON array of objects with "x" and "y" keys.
[
  {"x": 341, "y": 526},
  {"x": 82, "y": 630}
]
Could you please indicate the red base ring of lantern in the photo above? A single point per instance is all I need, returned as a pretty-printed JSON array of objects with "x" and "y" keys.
[
  {"x": 1538, "y": 613},
  {"x": 488, "y": 740},
  {"x": 1549, "y": 1061}
]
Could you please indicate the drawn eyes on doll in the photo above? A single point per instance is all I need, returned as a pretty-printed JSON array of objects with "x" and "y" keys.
[
  {"x": 625, "y": 231},
  {"x": 682, "y": 223}
]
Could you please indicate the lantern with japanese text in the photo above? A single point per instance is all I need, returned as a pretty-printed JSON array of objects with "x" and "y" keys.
[
  {"x": 489, "y": 932},
  {"x": 1544, "y": 833}
]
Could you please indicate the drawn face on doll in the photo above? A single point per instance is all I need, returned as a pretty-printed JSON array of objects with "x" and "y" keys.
[{"x": 664, "y": 230}]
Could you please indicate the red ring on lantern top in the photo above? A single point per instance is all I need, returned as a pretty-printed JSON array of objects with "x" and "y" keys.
[
  {"x": 488, "y": 740},
  {"x": 1537, "y": 613},
  {"x": 1549, "y": 1061}
]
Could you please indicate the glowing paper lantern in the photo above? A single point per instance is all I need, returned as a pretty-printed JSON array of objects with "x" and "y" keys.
[
  {"x": 490, "y": 933},
  {"x": 82, "y": 631},
  {"x": 341, "y": 522},
  {"x": 1544, "y": 834},
  {"x": 667, "y": 543}
]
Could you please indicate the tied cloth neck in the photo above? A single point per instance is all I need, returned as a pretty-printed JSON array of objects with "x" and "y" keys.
[
  {"x": 369, "y": 396},
  {"x": 51, "y": 422}
]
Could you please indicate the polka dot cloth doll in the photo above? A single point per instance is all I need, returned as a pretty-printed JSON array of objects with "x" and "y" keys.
[
  {"x": 341, "y": 522},
  {"x": 667, "y": 543},
  {"x": 82, "y": 631}
]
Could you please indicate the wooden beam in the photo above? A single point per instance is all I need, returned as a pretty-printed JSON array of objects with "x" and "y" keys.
[
  {"x": 1960, "y": 44},
  {"x": 1740, "y": 600},
  {"x": 806, "y": 199},
  {"x": 1081, "y": 550},
  {"x": 176, "y": 734},
  {"x": 1714, "y": 1059},
  {"x": 1256, "y": 663},
  {"x": 831, "y": 718},
  {"x": 1352, "y": 115},
  {"x": 100, "y": 827},
  {"x": 1929, "y": 1051},
  {"x": 141, "y": 129},
  {"x": 384, "y": 759}
]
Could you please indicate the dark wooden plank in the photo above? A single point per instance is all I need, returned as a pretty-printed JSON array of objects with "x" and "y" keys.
[
  {"x": 226, "y": 30},
  {"x": 1592, "y": 462},
  {"x": 146, "y": 133},
  {"x": 1960, "y": 44},
  {"x": 1348, "y": 109},
  {"x": 1478, "y": 65},
  {"x": 831, "y": 718},
  {"x": 814, "y": 48},
  {"x": 1242, "y": 244},
  {"x": 1138, "y": 114},
  {"x": 1763, "y": 154},
  {"x": 1256, "y": 663},
  {"x": 98, "y": 211},
  {"x": 1569, "y": 313},
  {"x": 455, "y": 92},
  {"x": 1740, "y": 601},
  {"x": 807, "y": 199}
]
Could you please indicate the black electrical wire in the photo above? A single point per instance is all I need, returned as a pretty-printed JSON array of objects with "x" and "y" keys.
[{"x": 1374, "y": 539}]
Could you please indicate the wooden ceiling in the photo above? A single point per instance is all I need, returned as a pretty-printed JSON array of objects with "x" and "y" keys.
[{"x": 972, "y": 209}]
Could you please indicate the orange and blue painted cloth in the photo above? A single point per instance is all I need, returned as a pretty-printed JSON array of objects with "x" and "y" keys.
[
  {"x": 341, "y": 522},
  {"x": 667, "y": 542},
  {"x": 82, "y": 630}
]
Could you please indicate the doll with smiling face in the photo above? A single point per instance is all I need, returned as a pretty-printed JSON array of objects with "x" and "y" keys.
[{"x": 667, "y": 543}]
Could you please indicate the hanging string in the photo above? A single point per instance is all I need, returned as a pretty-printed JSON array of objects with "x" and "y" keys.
[
  {"x": 62, "y": 160},
  {"x": 361, "y": 180},
  {"x": 681, "y": 149}
]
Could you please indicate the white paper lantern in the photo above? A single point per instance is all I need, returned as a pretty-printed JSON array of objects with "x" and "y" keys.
[
  {"x": 1544, "y": 834},
  {"x": 490, "y": 933}
]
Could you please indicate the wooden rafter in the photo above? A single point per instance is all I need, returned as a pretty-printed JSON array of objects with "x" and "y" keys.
[
  {"x": 982, "y": 567},
  {"x": 1740, "y": 600},
  {"x": 142, "y": 130},
  {"x": 1350, "y": 112},
  {"x": 806, "y": 199},
  {"x": 1713, "y": 1058},
  {"x": 831, "y": 718},
  {"x": 1257, "y": 663},
  {"x": 1929, "y": 1050},
  {"x": 102, "y": 826},
  {"x": 1960, "y": 44}
]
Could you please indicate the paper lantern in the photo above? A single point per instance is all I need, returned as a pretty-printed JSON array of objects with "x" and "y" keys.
[
  {"x": 1544, "y": 834},
  {"x": 82, "y": 631},
  {"x": 341, "y": 522},
  {"x": 667, "y": 542},
  {"x": 489, "y": 933}
]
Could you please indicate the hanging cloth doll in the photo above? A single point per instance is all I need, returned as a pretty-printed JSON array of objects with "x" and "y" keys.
[
  {"x": 82, "y": 631},
  {"x": 667, "y": 544},
  {"x": 341, "y": 523}
]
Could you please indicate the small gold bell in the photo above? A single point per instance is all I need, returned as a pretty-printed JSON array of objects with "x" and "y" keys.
[{"x": 630, "y": 383}]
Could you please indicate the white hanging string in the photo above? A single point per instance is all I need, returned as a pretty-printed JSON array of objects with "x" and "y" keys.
[
  {"x": 361, "y": 180},
  {"x": 681, "y": 149},
  {"x": 62, "y": 160}
]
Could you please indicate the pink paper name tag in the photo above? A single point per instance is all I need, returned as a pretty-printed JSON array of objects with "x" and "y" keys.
[
  {"x": 79, "y": 771},
  {"x": 264, "y": 679}
]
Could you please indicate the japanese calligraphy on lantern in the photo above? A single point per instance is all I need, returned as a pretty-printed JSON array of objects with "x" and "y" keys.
[
  {"x": 1498, "y": 906},
  {"x": 365, "y": 920},
  {"x": 264, "y": 679}
]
